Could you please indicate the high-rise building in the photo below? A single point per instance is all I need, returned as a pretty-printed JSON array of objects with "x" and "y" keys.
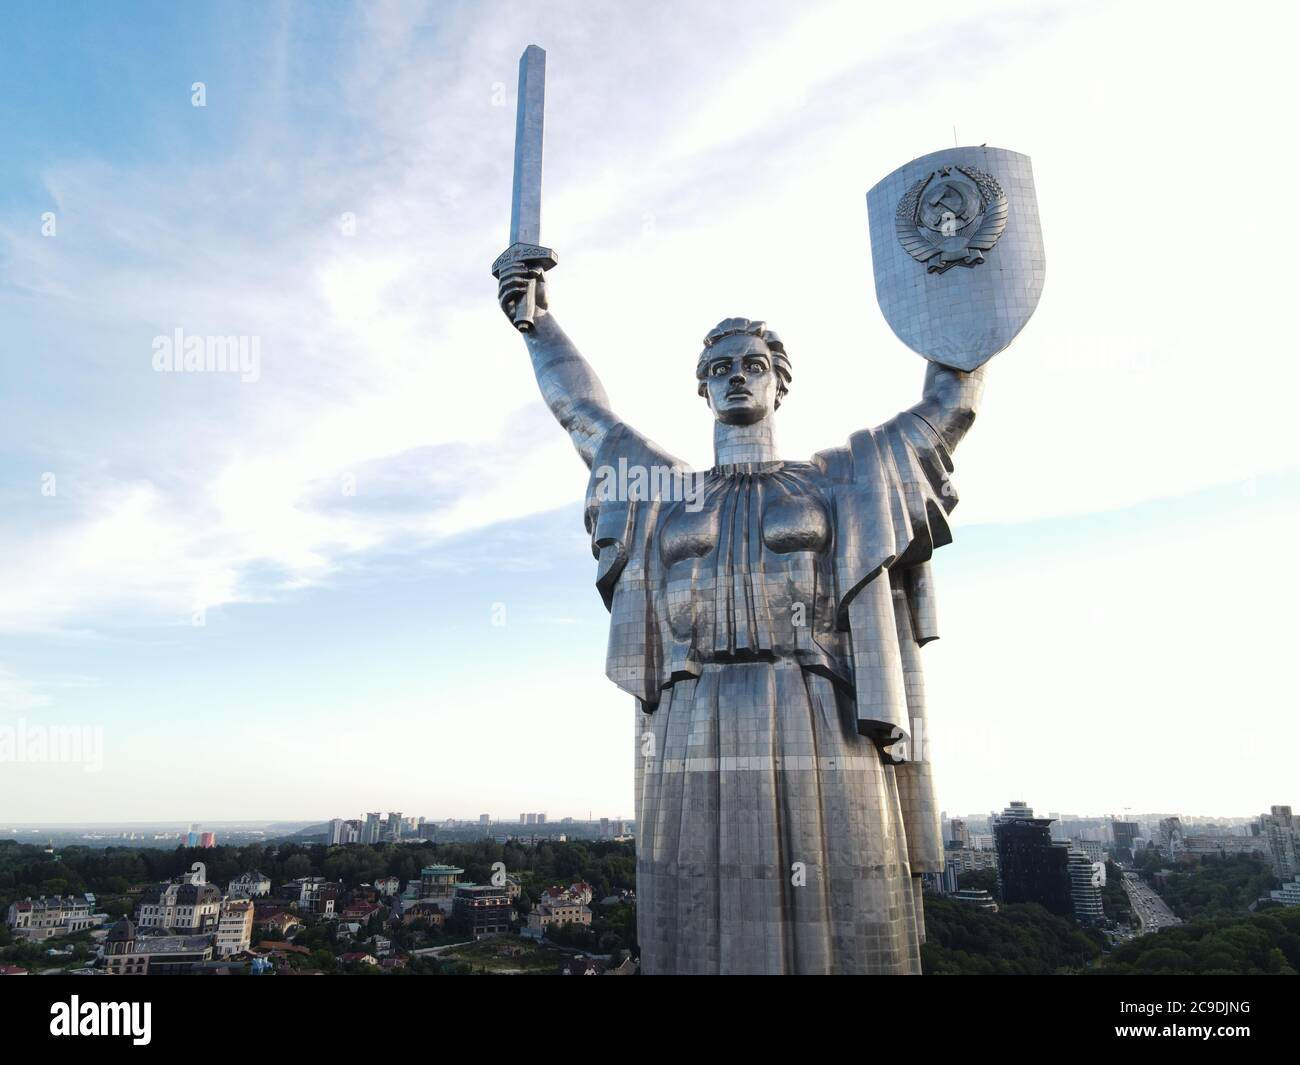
[
  {"x": 1172, "y": 837},
  {"x": 1085, "y": 890},
  {"x": 335, "y": 833},
  {"x": 1125, "y": 832},
  {"x": 371, "y": 832},
  {"x": 207, "y": 839},
  {"x": 1031, "y": 867},
  {"x": 484, "y": 819},
  {"x": 958, "y": 832},
  {"x": 1281, "y": 833},
  {"x": 541, "y": 819},
  {"x": 394, "y": 829},
  {"x": 1090, "y": 847}
]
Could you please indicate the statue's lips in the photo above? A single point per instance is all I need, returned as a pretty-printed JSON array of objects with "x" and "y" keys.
[{"x": 738, "y": 393}]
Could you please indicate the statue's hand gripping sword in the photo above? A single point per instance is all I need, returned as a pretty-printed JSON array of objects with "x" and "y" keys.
[{"x": 526, "y": 204}]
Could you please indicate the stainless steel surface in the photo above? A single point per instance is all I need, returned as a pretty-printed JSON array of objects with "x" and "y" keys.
[
  {"x": 526, "y": 202},
  {"x": 957, "y": 252},
  {"x": 525, "y": 255},
  {"x": 768, "y": 615}
]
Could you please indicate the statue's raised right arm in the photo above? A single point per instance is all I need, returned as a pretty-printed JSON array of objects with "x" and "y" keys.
[{"x": 569, "y": 385}]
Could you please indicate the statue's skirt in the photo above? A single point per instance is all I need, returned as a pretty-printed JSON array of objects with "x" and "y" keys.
[{"x": 769, "y": 832}]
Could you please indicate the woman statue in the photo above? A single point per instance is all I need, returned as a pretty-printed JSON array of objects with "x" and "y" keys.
[{"x": 768, "y": 622}]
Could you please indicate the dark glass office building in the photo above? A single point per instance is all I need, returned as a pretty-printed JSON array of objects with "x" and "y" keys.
[{"x": 1031, "y": 868}]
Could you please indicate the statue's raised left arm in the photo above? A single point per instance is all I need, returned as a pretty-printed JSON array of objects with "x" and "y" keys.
[{"x": 950, "y": 401}]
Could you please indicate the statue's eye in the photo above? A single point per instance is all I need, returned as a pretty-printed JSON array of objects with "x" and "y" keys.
[
  {"x": 755, "y": 366},
  {"x": 720, "y": 368}
]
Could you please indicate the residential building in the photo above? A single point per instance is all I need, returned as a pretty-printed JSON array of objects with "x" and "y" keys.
[
  {"x": 1085, "y": 890},
  {"x": 1222, "y": 846},
  {"x": 235, "y": 927},
  {"x": 424, "y": 911},
  {"x": 1172, "y": 837},
  {"x": 966, "y": 860},
  {"x": 126, "y": 953},
  {"x": 282, "y": 924},
  {"x": 977, "y": 898},
  {"x": 180, "y": 906},
  {"x": 317, "y": 895},
  {"x": 1091, "y": 847},
  {"x": 360, "y": 957},
  {"x": 1289, "y": 895},
  {"x": 944, "y": 883},
  {"x": 550, "y": 912},
  {"x": 1280, "y": 832},
  {"x": 958, "y": 832},
  {"x": 438, "y": 885},
  {"x": 360, "y": 912},
  {"x": 53, "y": 915},
  {"x": 371, "y": 832},
  {"x": 484, "y": 910},
  {"x": 251, "y": 885}
]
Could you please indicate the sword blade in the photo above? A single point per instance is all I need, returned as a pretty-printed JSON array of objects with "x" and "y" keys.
[{"x": 526, "y": 203}]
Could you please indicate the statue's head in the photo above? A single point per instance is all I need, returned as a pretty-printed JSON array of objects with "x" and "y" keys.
[{"x": 743, "y": 371}]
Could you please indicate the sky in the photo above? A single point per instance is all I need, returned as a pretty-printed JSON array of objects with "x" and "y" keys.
[{"x": 360, "y": 581}]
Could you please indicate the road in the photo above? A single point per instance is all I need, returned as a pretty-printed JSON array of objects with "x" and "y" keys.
[{"x": 1152, "y": 913}]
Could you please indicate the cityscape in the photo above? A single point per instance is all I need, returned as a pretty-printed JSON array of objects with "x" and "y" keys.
[{"x": 394, "y": 893}]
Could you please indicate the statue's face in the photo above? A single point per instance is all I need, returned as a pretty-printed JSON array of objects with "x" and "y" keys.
[{"x": 740, "y": 381}]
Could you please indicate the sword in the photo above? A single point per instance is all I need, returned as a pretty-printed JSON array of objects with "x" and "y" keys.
[{"x": 526, "y": 202}]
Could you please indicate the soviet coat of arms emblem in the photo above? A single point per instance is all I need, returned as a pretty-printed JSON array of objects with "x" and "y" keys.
[
  {"x": 950, "y": 208},
  {"x": 951, "y": 217}
]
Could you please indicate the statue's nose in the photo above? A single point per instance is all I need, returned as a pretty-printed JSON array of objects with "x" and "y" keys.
[{"x": 737, "y": 378}]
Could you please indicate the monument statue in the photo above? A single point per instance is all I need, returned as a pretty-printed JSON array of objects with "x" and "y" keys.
[{"x": 767, "y": 614}]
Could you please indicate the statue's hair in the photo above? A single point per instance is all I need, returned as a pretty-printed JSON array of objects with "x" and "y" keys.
[{"x": 744, "y": 327}]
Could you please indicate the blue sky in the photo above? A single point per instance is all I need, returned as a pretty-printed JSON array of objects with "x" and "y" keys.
[{"x": 1116, "y": 609}]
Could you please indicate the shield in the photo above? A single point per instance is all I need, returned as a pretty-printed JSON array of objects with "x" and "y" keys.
[{"x": 957, "y": 252}]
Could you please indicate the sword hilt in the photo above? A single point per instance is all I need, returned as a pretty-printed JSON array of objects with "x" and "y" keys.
[{"x": 525, "y": 308}]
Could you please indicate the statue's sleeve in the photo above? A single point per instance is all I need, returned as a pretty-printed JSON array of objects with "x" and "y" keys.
[
  {"x": 892, "y": 496},
  {"x": 632, "y": 479}
]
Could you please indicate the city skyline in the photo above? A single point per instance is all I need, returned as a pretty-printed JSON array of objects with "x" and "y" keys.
[{"x": 269, "y": 593}]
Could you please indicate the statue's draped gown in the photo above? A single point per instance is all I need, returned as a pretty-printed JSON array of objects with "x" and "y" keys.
[{"x": 766, "y": 630}]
